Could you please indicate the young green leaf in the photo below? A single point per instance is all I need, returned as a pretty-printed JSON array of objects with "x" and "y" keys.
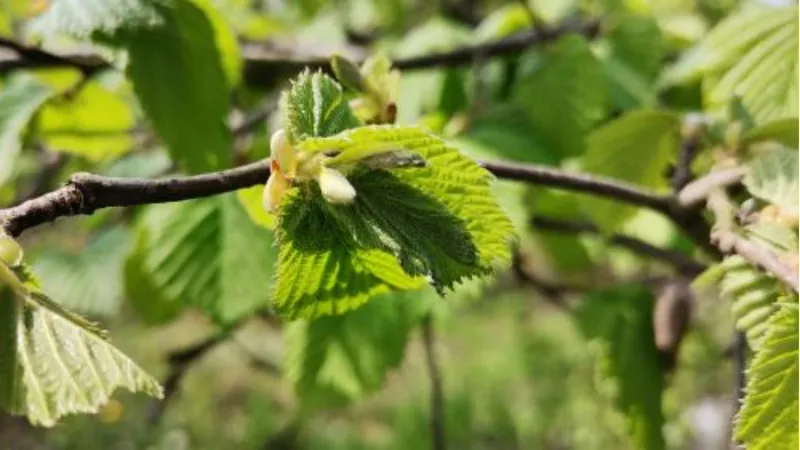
[
  {"x": 635, "y": 148},
  {"x": 315, "y": 106},
  {"x": 205, "y": 253},
  {"x": 634, "y": 57},
  {"x": 621, "y": 318},
  {"x": 331, "y": 360},
  {"x": 768, "y": 418},
  {"x": 322, "y": 269},
  {"x": 55, "y": 363},
  {"x": 20, "y": 98},
  {"x": 563, "y": 92},
  {"x": 753, "y": 54},
  {"x": 753, "y": 297}
]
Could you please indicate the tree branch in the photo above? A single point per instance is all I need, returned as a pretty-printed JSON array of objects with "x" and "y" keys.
[
  {"x": 696, "y": 192},
  {"x": 579, "y": 182},
  {"x": 85, "y": 192},
  {"x": 261, "y": 67},
  {"x": 438, "y": 438},
  {"x": 682, "y": 263}
]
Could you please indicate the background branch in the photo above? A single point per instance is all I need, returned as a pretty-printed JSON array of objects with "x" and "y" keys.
[
  {"x": 682, "y": 263},
  {"x": 261, "y": 66}
]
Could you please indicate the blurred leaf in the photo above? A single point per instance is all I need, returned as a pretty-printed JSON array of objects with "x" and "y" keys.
[
  {"x": 315, "y": 106},
  {"x": 552, "y": 11},
  {"x": 752, "y": 54},
  {"x": 332, "y": 360},
  {"x": 96, "y": 124},
  {"x": 90, "y": 281},
  {"x": 178, "y": 75},
  {"x": 784, "y": 131},
  {"x": 57, "y": 363},
  {"x": 252, "y": 201},
  {"x": 565, "y": 252},
  {"x": 20, "y": 98},
  {"x": 505, "y": 131},
  {"x": 174, "y": 64},
  {"x": 753, "y": 297},
  {"x": 768, "y": 418},
  {"x": 503, "y": 21},
  {"x": 634, "y": 58},
  {"x": 563, "y": 92},
  {"x": 205, "y": 253},
  {"x": 420, "y": 92},
  {"x": 140, "y": 165},
  {"x": 634, "y": 148},
  {"x": 773, "y": 177},
  {"x": 621, "y": 318},
  {"x": 226, "y": 41},
  {"x": 84, "y": 19}
]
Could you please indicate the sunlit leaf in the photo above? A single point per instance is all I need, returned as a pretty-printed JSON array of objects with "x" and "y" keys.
[
  {"x": 55, "y": 363},
  {"x": 773, "y": 177}
]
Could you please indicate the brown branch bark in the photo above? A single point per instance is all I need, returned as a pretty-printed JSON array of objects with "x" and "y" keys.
[{"x": 86, "y": 193}]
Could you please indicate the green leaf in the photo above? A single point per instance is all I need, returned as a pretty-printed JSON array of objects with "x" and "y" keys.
[
  {"x": 178, "y": 76},
  {"x": 621, "y": 318},
  {"x": 563, "y": 92},
  {"x": 634, "y": 58},
  {"x": 332, "y": 360},
  {"x": 55, "y": 363},
  {"x": 321, "y": 269},
  {"x": 315, "y": 106},
  {"x": 768, "y": 418},
  {"x": 20, "y": 98},
  {"x": 752, "y": 54},
  {"x": 773, "y": 177},
  {"x": 753, "y": 295},
  {"x": 96, "y": 124},
  {"x": 505, "y": 131},
  {"x": 449, "y": 177},
  {"x": 783, "y": 131},
  {"x": 89, "y": 281},
  {"x": 415, "y": 215},
  {"x": 205, "y": 253},
  {"x": 635, "y": 148}
]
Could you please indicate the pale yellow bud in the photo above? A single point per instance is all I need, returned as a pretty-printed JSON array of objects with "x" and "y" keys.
[
  {"x": 276, "y": 186},
  {"x": 282, "y": 152},
  {"x": 335, "y": 187}
]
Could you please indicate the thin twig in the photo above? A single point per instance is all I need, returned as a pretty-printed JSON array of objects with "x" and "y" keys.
[
  {"x": 437, "y": 425},
  {"x": 579, "y": 182},
  {"x": 682, "y": 263},
  {"x": 690, "y": 144},
  {"x": 87, "y": 192},
  {"x": 261, "y": 67},
  {"x": 696, "y": 192},
  {"x": 179, "y": 363}
]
